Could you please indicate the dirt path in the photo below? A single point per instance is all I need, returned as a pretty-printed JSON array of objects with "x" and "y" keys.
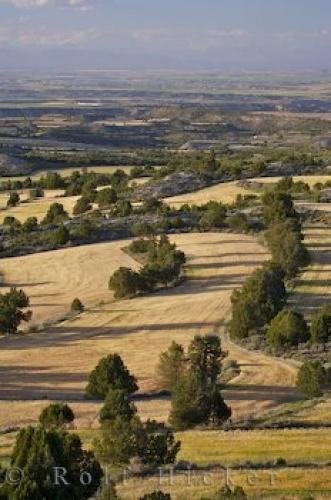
[{"x": 55, "y": 364}]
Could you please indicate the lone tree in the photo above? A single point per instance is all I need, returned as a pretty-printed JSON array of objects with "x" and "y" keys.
[
  {"x": 12, "y": 313},
  {"x": 171, "y": 365},
  {"x": 311, "y": 379},
  {"x": 13, "y": 199},
  {"x": 82, "y": 205},
  {"x": 56, "y": 415},
  {"x": 77, "y": 305},
  {"x": 42, "y": 455},
  {"x": 287, "y": 329},
  {"x": 106, "y": 197},
  {"x": 321, "y": 325},
  {"x": 55, "y": 214},
  {"x": 205, "y": 355},
  {"x": 110, "y": 373}
]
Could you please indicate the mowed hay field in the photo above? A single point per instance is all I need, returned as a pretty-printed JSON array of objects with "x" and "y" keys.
[
  {"x": 35, "y": 208},
  {"x": 313, "y": 287},
  {"x": 55, "y": 364},
  {"x": 285, "y": 483},
  {"x": 228, "y": 191}
]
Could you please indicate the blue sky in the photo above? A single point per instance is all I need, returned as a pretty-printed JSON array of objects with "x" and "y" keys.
[{"x": 213, "y": 34}]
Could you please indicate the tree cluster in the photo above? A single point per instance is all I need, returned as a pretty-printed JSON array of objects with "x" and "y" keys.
[
  {"x": 163, "y": 267},
  {"x": 192, "y": 379}
]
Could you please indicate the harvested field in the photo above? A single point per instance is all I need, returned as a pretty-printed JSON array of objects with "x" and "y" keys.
[
  {"x": 290, "y": 483},
  {"x": 228, "y": 191},
  {"x": 55, "y": 364},
  {"x": 313, "y": 288},
  {"x": 38, "y": 207}
]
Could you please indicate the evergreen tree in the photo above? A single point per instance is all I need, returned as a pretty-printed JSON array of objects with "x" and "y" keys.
[
  {"x": 321, "y": 325},
  {"x": 287, "y": 329},
  {"x": 12, "y": 310},
  {"x": 56, "y": 415},
  {"x": 117, "y": 404},
  {"x": 110, "y": 373},
  {"x": 311, "y": 379},
  {"x": 171, "y": 365}
]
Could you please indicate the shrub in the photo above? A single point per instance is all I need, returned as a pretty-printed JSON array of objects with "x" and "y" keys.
[
  {"x": 12, "y": 310},
  {"x": 60, "y": 236},
  {"x": 82, "y": 205},
  {"x": 140, "y": 246},
  {"x": 13, "y": 199},
  {"x": 106, "y": 197},
  {"x": 123, "y": 208},
  {"x": 311, "y": 379},
  {"x": 110, "y": 373},
  {"x": 156, "y": 495},
  {"x": 125, "y": 283},
  {"x": 31, "y": 224},
  {"x": 277, "y": 206},
  {"x": 239, "y": 222},
  {"x": 77, "y": 305},
  {"x": 321, "y": 325},
  {"x": 287, "y": 329},
  {"x": 213, "y": 215},
  {"x": 55, "y": 214},
  {"x": 260, "y": 299},
  {"x": 56, "y": 415}
]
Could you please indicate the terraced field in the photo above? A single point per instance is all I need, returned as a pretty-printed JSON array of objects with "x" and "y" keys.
[
  {"x": 228, "y": 191},
  {"x": 55, "y": 364}
]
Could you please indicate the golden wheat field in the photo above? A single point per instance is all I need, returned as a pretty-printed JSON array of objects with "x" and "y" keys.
[
  {"x": 228, "y": 191},
  {"x": 285, "y": 483},
  {"x": 35, "y": 208},
  {"x": 56, "y": 362}
]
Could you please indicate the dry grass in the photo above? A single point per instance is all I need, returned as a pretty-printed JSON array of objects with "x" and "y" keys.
[
  {"x": 228, "y": 191},
  {"x": 36, "y": 208},
  {"x": 55, "y": 364},
  {"x": 231, "y": 448},
  {"x": 313, "y": 287},
  {"x": 264, "y": 484}
]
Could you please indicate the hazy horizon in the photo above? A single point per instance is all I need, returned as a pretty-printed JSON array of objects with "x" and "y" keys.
[{"x": 216, "y": 35}]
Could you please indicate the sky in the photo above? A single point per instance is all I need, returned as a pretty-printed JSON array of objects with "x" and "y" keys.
[{"x": 248, "y": 35}]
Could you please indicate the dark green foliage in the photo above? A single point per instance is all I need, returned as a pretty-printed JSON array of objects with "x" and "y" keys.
[
  {"x": 285, "y": 243},
  {"x": 117, "y": 404},
  {"x": 140, "y": 246},
  {"x": 213, "y": 215},
  {"x": 125, "y": 283},
  {"x": 55, "y": 214},
  {"x": 56, "y": 415},
  {"x": 171, "y": 365},
  {"x": 163, "y": 267},
  {"x": 106, "y": 197},
  {"x": 13, "y": 199},
  {"x": 37, "y": 452},
  {"x": 83, "y": 230},
  {"x": 226, "y": 493},
  {"x": 36, "y": 192},
  {"x": 82, "y": 205},
  {"x": 156, "y": 495},
  {"x": 287, "y": 329},
  {"x": 122, "y": 208},
  {"x": 151, "y": 205},
  {"x": 239, "y": 222},
  {"x": 205, "y": 355},
  {"x": 277, "y": 207},
  {"x": 121, "y": 440},
  {"x": 77, "y": 305},
  {"x": 53, "y": 180},
  {"x": 110, "y": 373},
  {"x": 321, "y": 325},
  {"x": 31, "y": 224},
  {"x": 311, "y": 379},
  {"x": 12, "y": 310},
  {"x": 260, "y": 299},
  {"x": 143, "y": 229},
  {"x": 60, "y": 236}
]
